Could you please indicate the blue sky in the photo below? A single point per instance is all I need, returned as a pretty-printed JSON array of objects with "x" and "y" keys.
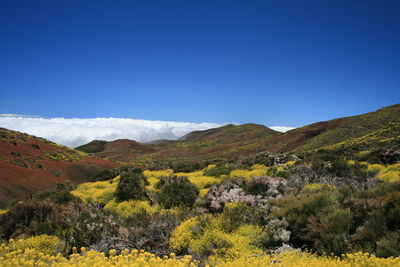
[{"x": 283, "y": 62}]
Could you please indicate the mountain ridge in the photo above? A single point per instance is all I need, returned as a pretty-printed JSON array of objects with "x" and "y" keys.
[{"x": 231, "y": 141}]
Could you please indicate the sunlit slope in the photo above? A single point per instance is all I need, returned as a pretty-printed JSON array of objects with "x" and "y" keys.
[
  {"x": 326, "y": 133},
  {"x": 214, "y": 143},
  {"x": 29, "y": 164},
  {"x": 378, "y": 129},
  {"x": 226, "y": 141}
]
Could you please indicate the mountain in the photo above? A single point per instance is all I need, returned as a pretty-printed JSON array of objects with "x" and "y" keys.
[
  {"x": 29, "y": 164},
  {"x": 226, "y": 141},
  {"x": 230, "y": 133},
  {"x": 121, "y": 149},
  {"x": 94, "y": 146},
  {"x": 231, "y": 141},
  {"x": 327, "y": 133},
  {"x": 208, "y": 144}
]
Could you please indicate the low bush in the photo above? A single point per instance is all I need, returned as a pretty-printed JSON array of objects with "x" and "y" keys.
[
  {"x": 329, "y": 231},
  {"x": 49, "y": 245},
  {"x": 389, "y": 246},
  {"x": 217, "y": 171},
  {"x": 204, "y": 237},
  {"x": 132, "y": 186},
  {"x": 112, "y": 173},
  {"x": 176, "y": 192}
]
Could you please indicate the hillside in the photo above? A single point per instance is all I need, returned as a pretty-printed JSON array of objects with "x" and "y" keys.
[
  {"x": 326, "y": 133},
  {"x": 231, "y": 141},
  {"x": 203, "y": 145},
  {"x": 29, "y": 164},
  {"x": 121, "y": 149},
  {"x": 94, "y": 146}
]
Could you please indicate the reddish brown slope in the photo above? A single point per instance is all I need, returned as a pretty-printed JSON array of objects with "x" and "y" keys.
[{"x": 29, "y": 164}]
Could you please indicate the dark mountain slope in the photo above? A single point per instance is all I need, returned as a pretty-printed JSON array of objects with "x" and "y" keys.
[
  {"x": 94, "y": 146},
  {"x": 121, "y": 149}
]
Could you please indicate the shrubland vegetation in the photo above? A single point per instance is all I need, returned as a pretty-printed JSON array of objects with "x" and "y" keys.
[{"x": 255, "y": 211}]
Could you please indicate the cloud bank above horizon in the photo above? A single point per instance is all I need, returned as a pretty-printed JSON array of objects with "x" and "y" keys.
[{"x": 74, "y": 132}]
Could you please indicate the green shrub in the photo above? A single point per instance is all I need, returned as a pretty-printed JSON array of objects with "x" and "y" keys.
[
  {"x": 257, "y": 186},
  {"x": 329, "y": 230},
  {"x": 59, "y": 197},
  {"x": 21, "y": 163},
  {"x": 370, "y": 232},
  {"x": 389, "y": 246},
  {"x": 236, "y": 214},
  {"x": 391, "y": 210},
  {"x": 35, "y": 146},
  {"x": 187, "y": 166},
  {"x": 298, "y": 209},
  {"x": 132, "y": 186},
  {"x": 217, "y": 171},
  {"x": 112, "y": 173},
  {"x": 275, "y": 234},
  {"x": 341, "y": 168},
  {"x": 176, "y": 191}
]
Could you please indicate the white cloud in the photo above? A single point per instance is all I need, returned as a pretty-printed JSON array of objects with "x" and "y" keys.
[
  {"x": 76, "y": 131},
  {"x": 282, "y": 128}
]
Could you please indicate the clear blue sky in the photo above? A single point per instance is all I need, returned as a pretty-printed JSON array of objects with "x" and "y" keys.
[{"x": 275, "y": 62}]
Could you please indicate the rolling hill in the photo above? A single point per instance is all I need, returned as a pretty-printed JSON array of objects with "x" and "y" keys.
[
  {"x": 199, "y": 145},
  {"x": 29, "y": 164},
  {"x": 232, "y": 141},
  {"x": 121, "y": 149},
  {"x": 328, "y": 133}
]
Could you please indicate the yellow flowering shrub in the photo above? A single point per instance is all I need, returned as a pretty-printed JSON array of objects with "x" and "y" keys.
[
  {"x": 126, "y": 209},
  {"x": 11, "y": 256},
  {"x": 375, "y": 167},
  {"x": 290, "y": 163},
  {"x": 99, "y": 192},
  {"x": 203, "y": 192},
  {"x": 301, "y": 259},
  {"x": 394, "y": 167},
  {"x": 46, "y": 244},
  {"x": 363, "y": 153},
  {"x": 154, "y": 176},
  {"x": 3, "y": 211},
  {"x": 157, "y": 174},
  {"x": 205, "y": 235},
  {"x": 209, "y": 167},
  {"x": 183, "y": 234},
  {"x": 256, "y": 170},
  {"x": 152, "y": 183},
  {"x": 198, "y": 179},
  {"x": 204, "y": 181},
  {"x": 391, "y": 173},
  {"x": 314, "y": 188},
  {"x": 390, "y": 176},
  {"x": 134, "y": 258},
  {"x": 223, "y": 245}
]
